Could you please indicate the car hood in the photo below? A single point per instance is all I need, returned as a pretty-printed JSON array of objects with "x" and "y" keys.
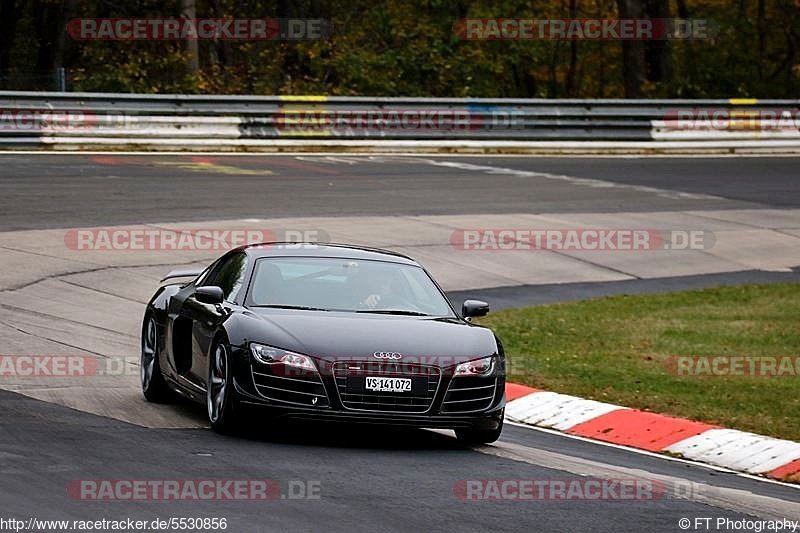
[{"x": 350, "y": 336}]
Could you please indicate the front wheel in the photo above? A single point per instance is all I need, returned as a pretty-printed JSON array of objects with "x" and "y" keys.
[
  {"x": 221, "y": 396},
  {"x": 479, "y": 436},
  {"x": 154, "y": 387}
]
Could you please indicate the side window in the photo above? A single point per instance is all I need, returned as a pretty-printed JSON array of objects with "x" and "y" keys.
[
  {"x": 229, "y": 276},
  {"x": 202, "y": 279}
]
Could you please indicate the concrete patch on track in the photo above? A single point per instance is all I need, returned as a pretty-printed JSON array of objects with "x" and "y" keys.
[{"x": 57, "y": 299}]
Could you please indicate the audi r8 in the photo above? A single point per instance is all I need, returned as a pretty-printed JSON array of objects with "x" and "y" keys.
[{"x": 325, "y": 332}]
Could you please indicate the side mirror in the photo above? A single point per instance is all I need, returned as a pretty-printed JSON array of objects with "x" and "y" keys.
[
  {"x": 209, "y": 295},
  {"x": 472, "y": 308}
]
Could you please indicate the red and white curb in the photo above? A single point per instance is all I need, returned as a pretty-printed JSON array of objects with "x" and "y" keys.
[{"x": 728, "y": 448}]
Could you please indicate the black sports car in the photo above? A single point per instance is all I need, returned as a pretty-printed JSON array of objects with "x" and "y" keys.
[{"x": 323, "y": 332}]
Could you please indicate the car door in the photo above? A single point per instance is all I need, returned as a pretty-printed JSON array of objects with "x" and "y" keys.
[
  {"x": 179, "y": 336},
  {"x": 206, "y": 318}
]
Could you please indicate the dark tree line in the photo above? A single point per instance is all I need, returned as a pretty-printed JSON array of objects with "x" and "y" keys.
[{"x": 407, "y": 47}]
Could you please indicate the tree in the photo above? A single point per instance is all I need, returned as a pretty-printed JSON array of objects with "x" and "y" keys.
[{"x": 633, "y": 52}]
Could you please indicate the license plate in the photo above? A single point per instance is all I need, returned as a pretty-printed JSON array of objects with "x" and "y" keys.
[{"x": 388, "y": 384}]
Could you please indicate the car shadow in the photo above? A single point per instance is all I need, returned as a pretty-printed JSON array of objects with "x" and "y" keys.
[
  {"x": 349, "y": 435},
  {"x": 258, "y": 427}
]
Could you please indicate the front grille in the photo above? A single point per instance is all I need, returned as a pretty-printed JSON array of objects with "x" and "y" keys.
[
  {"x": 466, "y": 394},
  {"x": 301, "y": 387},
  {"x": 350, "y": 380}
]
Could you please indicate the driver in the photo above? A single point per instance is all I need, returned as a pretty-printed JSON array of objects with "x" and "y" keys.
[{"x": 376, "y": 286}]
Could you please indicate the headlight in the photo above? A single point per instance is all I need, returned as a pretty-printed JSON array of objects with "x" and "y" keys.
[
  {"x": 478, "y": 367},
  {"x": 269, "y": 354}
]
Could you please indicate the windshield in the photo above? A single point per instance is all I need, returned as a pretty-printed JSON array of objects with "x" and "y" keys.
[{"x": 336, "y": 284}]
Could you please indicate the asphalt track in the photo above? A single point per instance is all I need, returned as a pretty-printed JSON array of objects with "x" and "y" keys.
[
  {"x": 47, "y": 191},
  {"x": 370, "y": 480}
]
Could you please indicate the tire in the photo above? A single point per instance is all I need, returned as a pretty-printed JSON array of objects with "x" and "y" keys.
[
  {"x": 221, "y": 399},
  {"x": 479, "y": 436},
  {"x": 154, "y": 387}
]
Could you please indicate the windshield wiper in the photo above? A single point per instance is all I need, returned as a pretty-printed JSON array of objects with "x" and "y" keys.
[
  {"x": 392, "y": 312},
  {"x": 300, "y": 307}
]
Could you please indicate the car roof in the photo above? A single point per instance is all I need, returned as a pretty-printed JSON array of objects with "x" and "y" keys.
[{"x": 307, "y": 249}]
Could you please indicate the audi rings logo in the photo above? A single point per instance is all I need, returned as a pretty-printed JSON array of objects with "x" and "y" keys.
[{"x": 387, "y": 355}]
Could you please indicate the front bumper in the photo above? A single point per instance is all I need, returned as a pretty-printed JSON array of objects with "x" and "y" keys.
[
  {"x": 488, "y": 420},
  {"x": 328, "y": 406}
]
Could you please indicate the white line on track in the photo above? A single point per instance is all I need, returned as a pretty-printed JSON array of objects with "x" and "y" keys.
[
  {"x": 377, "y": 158},
  {"x": 640, "y": 452},
  {"x": 586, "y": 182},
  {"x": 737, "y": 500}
]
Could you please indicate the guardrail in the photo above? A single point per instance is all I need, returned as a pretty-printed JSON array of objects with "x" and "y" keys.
[{"x": 88, "y": 120}]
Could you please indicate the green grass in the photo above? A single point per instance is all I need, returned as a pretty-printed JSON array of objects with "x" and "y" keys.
[{"x": 616, "y": 350}]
